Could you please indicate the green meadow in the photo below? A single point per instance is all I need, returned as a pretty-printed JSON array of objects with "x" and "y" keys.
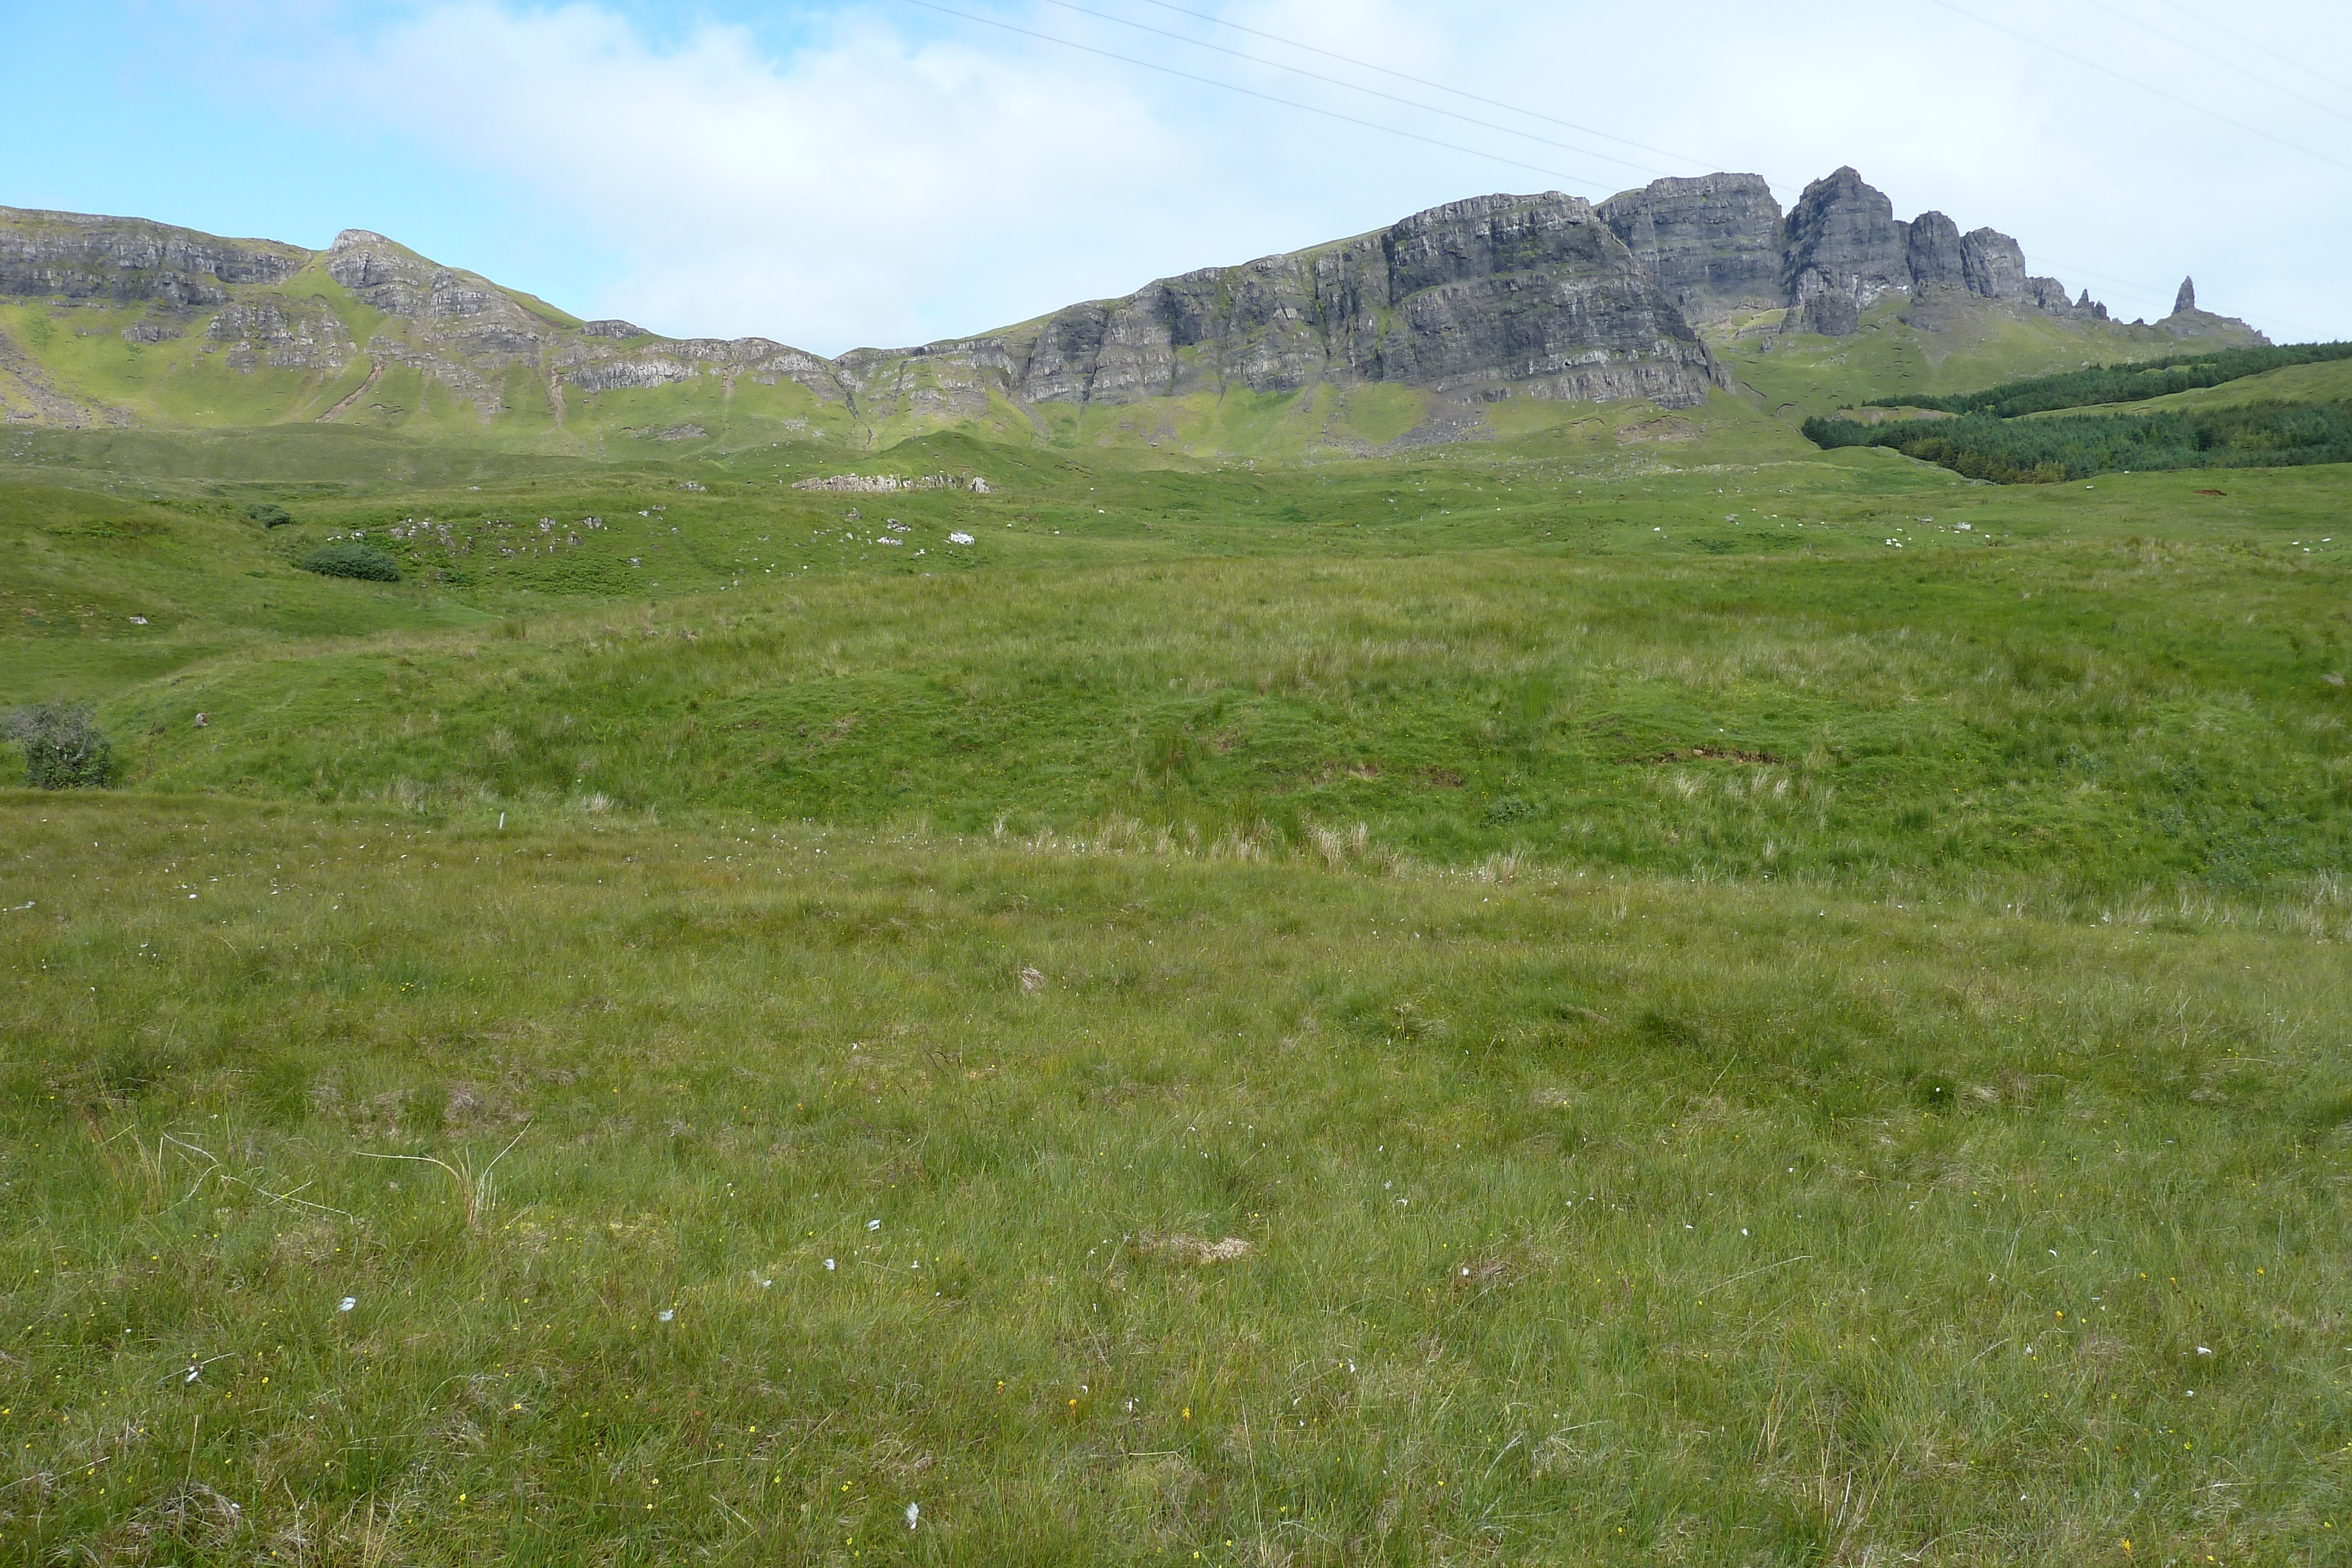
[{"x": 1630, "y": 992}]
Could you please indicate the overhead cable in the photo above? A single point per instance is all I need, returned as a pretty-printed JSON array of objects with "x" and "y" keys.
[
  {"x": 1251, "y": 92},
  {"x": 2257, "y": 46},
  {"x": 1423, "y": 81},
  {"x": 2144, "y": 87},
  {"x": 1352, "y": 86},
  {"x": 2184, "y": 45}
]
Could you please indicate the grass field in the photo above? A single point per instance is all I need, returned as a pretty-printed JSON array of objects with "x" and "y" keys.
[
  {"x": 1630, "y": 993},
  {"x": 1127, "y": 1206}
]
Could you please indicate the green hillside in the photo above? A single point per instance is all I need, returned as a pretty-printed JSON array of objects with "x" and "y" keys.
[
  {"x": 1625, "y": 989},
  {"x": 2325, "y": 384},
  {"x": 1973, "y": 346},
  {"x": 2269, "y": 407}
]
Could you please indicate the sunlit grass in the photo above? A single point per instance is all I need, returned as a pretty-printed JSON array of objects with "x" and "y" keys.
[{"x": 1564, "y": 1218}]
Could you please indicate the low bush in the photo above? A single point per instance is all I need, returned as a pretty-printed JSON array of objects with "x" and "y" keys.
[
  {"x": 353, "y": 560},
  {"x": 64, "y": 747},
  {"x": 269, "y": 514}
]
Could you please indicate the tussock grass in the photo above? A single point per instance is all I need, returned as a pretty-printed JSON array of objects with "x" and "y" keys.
[{"x": 1286, "y": 1214}]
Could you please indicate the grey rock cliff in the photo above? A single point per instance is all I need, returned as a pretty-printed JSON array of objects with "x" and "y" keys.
[
  {"x": 1841, "y": 250},
  {"x": 79, "y": 256},
  {"x": 1845, "y": 251},
  {"x": 1713, "y": 244},
  {"x": 1994, "y": 266},
  {"x": 1531, "y": 296},
  {"x": 1505, "y": 295}
]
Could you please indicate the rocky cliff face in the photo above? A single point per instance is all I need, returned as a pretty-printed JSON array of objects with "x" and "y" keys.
[
  {"x": 1714, "y": 244},
  {"x": 1720, "y": 247},
  {"x": 1529, "y": 296},
  {"x": 78, "y": 256},
  {"x": 1542, "y": 296},
  {"x": 1846, "y": 251}
]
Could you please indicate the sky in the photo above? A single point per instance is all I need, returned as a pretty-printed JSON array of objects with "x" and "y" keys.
[{"x": 880, "y": 172}]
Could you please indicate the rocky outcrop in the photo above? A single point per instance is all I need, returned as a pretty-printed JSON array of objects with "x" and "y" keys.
[
  {"x": 2187, "y": 321},
  {"x": 282, "y": 334},
  {"x": 1529, "y": 296},
  {"x": 1994, "y": 266},
  {"x": 1713, "y": 244},
  {"x": 79, "y": 256},
  {"x": 1505, "y": 295},
  {"x": 1935, "y": 252},
  {"x": 1844, "y": 251},
  {"x": 889, "y": 483}
]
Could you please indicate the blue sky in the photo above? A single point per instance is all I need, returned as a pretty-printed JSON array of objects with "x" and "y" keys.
[{"x": 881, "y": 172}]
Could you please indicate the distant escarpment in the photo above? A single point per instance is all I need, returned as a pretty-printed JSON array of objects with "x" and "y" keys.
[
  {"x": 1721, "y": 247},
  {"x": 1532, "y": 295},
  {"x": 1416, "y": 329},
  {"x": 1478, "y": 300}
]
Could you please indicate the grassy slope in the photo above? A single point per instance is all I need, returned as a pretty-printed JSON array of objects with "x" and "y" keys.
[
  {"x": 2296, "y": 383},
  {"x": 1732, "y": 672},
  {"x": 1586, "y": 1220},
  {"x": 1982, "y": 347},
  {"x": 1766, "y": 946}
]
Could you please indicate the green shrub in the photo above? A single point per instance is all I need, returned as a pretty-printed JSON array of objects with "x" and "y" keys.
[
  {"x": 269, "y": 514},
  {"x": 353, "y": 560},
  {"x": 64, "y": 747},
  {"x": 1509, "y": 810}
]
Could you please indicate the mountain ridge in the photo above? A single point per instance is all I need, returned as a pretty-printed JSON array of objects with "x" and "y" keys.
[{"x": 1401, "y": 336}]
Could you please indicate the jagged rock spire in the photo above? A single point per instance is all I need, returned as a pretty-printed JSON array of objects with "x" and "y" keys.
[{"x": 2186, "y": 300}]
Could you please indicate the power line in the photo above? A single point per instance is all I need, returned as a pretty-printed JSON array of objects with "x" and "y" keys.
[
  {"x": 1253, "y": 92},
  {"x": 2144, "y": 87},
  {"x": 2257, "y": 46},
  {"x": 2149, "y": 290},
  {"x": 2189, "y": 47},
  {"x": 1352, "y": 86},
  {"x": 1423, "y": 81},
  {"x": 2143, "y": 290}
]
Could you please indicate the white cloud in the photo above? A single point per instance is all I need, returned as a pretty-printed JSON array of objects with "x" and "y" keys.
[
  {"x": 896, "y": 177},
  {"x": 858, "y": 191}
]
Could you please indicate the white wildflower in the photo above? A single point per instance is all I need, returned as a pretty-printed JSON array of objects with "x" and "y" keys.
[
  {"x": 665, "y": 1314},
  {"x": 914, "y": 1514},
  {"x": 828, "y": 1265},
  {"x": 347, "y": 1303}
]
